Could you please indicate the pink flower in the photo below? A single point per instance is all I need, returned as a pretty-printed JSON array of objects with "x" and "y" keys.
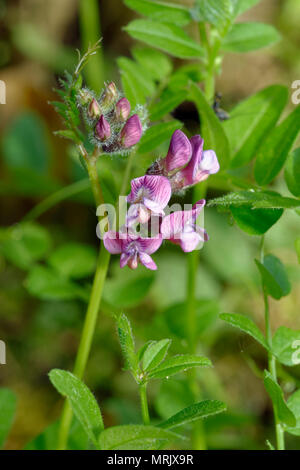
[
  {"x": 102, "y": 131},
  {"x": 180, "y": 228},
  {"x": 179, "y": 153},
  {"x": 131, "y": 132},
  {"x": 122, "y": 109},
  {"x": 201, "y": 165},
  {"x": 133, "y": 250},
  {"x": 149, "y": 194}
]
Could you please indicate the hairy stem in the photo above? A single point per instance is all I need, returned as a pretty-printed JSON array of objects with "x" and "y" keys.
[
  {"x": 144, "y": 404},
  {"x": 271, "y": 358}
]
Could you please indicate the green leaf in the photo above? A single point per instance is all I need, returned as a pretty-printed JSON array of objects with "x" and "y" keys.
[
  {"x": 240, "y": 6},
  {"x": 255, "y": 200},
  {"x": 45, "y": 283},
  {"x": 155, "y": 354},
  {"x": 157, "y": 64},
  {"x": 284, "y": 414},
  {"x": 134, "y": 437},
  {"x": 286, "y": 346},
  {"x": 246, "y": 37},
  {"x": 294, "y": 405},
  {"x": 127, "y": 343},
  {"x": 156, "y": 10},
  {"x": 168, "y": 101},
  {"x": 25, "y": 143},
  {"x": 82, "y": 401},
  {"x": 166, "y": 37},
  {"x": 74, "y": 260},
  {"x": 292, "y": 173},
  {"x": 274, "y": 277},
  {"x": 255, "y": 221},
  {"x": 215, "y": 12},
  {"x": 177, "y": 364},
  {"x": 251, "y": 120},
  {"x": 68, "y": 134},
  {"x": 25, "y": 243},
  {"x": 136, "y": 84},
  {"x": 158, "y": 134},
  {"x": 211, "y": 128},
  {"x": 128, "y": 289},
  {"x": 8, "y": 403},
  {"x": 276, "y": 147},
  {"x": 206, "y": 314},
  {"x": 196, "y": 411},
  {"x": 245, "y": 324}
]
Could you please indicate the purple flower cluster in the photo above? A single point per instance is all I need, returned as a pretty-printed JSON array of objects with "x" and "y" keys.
[
  {"x": 185, "y": 165},
  {"x": 113, "y": 129}
]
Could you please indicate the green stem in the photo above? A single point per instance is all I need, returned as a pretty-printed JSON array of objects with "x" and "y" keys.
[
  {"x": 198, "y": 434},
  {"x": 144, "y": 404},
  {"x": 90, "y": 29},
  {"x": 94, "y": 179},
  {"x": 271, "y": 358},
  {"x": 94, "y": 302}
]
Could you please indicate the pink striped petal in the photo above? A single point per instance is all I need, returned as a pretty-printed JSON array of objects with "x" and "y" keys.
[
  {"x": 151, "y": 187},
  {"x": 174, "y": 224},
  {"x": 149, "y": 245}
]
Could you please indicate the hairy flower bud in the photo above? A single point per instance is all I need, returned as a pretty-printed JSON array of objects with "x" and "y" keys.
[
  {"x": 85, "y": 96},
  {"x": 102, "y": 130},
  {"x": 122, "y": 109},
  {"x": 109, "y": 96},
  {"x": 131, "y": 132},
  {"x": 94, "y": 110}
]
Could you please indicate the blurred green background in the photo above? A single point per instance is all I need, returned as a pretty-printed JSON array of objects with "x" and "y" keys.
[{"x": 38, "y": 39}]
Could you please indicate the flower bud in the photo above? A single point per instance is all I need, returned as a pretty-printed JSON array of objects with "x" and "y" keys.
[
  {"x": 94, "y": 110},
  {"x": 102, "y": 130},
  {"x": 131, "y": 132},
  {"x": 85, "y": 96},
  {"x": 122, "y": 109},
  {"x": 109, "y": 96}
]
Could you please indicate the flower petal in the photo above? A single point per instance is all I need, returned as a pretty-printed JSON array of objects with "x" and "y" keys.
[
  {"x": 131, "y": 132},
  {"x": 124, "y": 258},
  {"x": 153, "y": 206},
  {"x": 189, "y": 241},
  {"x": 112, "y": 242},
  {"x": 189, "y": 173},
  {"x": 147, "y": 261},
  {"x": 174, "y": 224},
  {"x": 209, "y": 162},
  {"x": 179, "y": 152},
  {"x": 153, "y": 187},
  {"x": 149, "y": 245}
]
